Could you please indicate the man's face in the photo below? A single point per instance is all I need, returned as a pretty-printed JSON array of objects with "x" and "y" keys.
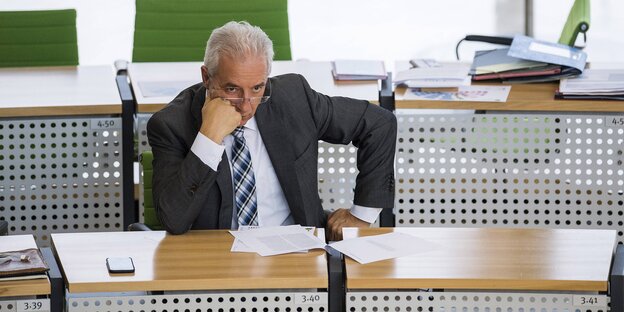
[{"x": 242, "y": 82}]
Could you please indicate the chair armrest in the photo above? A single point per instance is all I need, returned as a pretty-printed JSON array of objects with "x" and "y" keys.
[{"x": 138, "y": 227}]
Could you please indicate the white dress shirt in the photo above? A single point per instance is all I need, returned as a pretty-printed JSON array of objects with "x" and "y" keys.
[{"x": 273, "y": 208}]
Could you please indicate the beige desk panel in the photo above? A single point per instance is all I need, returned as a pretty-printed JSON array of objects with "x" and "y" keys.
[
  {"x": 25, "y": 287},
  {"x": 492, "y": 258},
  {"x": 199, "y": 260},
  {"x": 56, "y": 91},
  {"x": 185, "y": 74}
]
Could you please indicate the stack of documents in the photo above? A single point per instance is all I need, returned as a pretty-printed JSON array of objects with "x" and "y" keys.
[
  {"x": 450, "y": 76},
  {"x": 358, "y": 70},
  {"x": 528, "y": 60},
  {"x": 600, "y": 84},
  {"x": 275, "y": 240}
]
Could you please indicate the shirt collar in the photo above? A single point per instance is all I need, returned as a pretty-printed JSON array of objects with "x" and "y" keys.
[{"x": 251, "y": 124}]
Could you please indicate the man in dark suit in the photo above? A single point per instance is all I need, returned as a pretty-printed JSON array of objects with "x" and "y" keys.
[{"x": 241, "y": 149}]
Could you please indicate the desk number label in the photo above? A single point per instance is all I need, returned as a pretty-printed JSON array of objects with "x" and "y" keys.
[
  {"x": 589, "y": 301},
  {"x": 614, "y": 121},
  {"x": 40, "y": 305},
  {"x": 104, "y": 124},
  {"x": 310, "y": 298}
]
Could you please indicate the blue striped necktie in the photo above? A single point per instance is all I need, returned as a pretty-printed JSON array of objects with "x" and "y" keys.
[{"x": 244, "y": 181}]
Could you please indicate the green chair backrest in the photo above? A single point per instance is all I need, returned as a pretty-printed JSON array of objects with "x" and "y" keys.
[
  {"x": 149, "y": 211},
  {"x": 38, "y": 38},
  {"x": 177, "y": 31},
  {"x": 577, "y": 22}
]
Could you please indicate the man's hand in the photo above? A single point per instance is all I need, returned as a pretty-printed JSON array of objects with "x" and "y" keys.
[
  {"x": 219, "y": 118},
  {"x": 339, "y": 219}
]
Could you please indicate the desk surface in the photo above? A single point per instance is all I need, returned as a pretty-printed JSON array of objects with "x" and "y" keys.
[
  {"x": 492, "y": 258},
  {"x": 156, "y": 84},
  {"x": 198, "y": 260},
  {"x": 56, "y": 91},
  {"x": 39, "y": 286},
  {"x": 522, "y": 97}
]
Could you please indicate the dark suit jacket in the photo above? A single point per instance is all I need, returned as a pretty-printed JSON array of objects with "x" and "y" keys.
[{"x": 189, "y": 194}]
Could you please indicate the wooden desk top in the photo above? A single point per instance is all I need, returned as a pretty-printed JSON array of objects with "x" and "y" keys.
[
  {"x": 198, "y": 260},
  {"x": 58, "y": 91},
  {"x": 39, "y": 286},
  {"x": 522, "y": 97},
  {"x": 492, "y": 258},
  {"x": 166, "y": 80}
]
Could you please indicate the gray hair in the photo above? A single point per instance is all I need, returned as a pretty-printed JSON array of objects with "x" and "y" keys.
[{"x": 237, "y": 40}]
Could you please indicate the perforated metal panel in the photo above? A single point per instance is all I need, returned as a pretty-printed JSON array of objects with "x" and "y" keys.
[
  {"x": 337, "y": 170},
  {"x": 474, "y": 302},
  {"x": 219, "y": 302},
  {"x": 143, "y": 146},
  {"x": 7, "y": 306},
  {"x": 24, "y": 304},
  {"x": 142, "y": 131},
  {"x": 61, "y": 175},
  {"x": 506, "y": 170}
]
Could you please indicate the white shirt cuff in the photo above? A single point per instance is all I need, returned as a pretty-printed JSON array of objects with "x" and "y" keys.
[
  {"x": 207, "y": 150},
  {"x": 366, "y": 214}
]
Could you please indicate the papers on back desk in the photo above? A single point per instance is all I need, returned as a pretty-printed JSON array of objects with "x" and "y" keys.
[
  {"x": 476, "y": 93},
  {"x": 381, "y": 247},
  {"x": 434, "y": 77},
  {"x": 275, "y": 240}
]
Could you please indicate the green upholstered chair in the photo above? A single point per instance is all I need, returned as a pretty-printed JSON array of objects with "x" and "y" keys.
[
  {"x": 177, "y": 31},
  {"x": 577, "y": 22},
  {"x": 38, "y": 38},
  {"x": 150, "y": 220}
]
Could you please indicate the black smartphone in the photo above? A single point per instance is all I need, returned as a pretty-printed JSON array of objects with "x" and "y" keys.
[{"x": 120, "y": 265}]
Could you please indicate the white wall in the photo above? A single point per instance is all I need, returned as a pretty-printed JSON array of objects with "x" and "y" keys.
[
  {"x": 605, "y": 39},
  {"x": 361, "y": 29}
]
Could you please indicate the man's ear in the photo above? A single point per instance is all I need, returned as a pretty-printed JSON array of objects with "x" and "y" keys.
[{"x": 204, "y": 74}]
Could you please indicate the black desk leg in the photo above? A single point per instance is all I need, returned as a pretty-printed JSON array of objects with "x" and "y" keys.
[
  {"x": 386, "y": 218},
  {"x": 386, "y": 94},
  {"x": 57, "y": 286},
  {"x": 617, "y": 280},
  {"x": 128, "y": 112},
  {"x": 386, "y": 100},
  {"x": 336, "y": 291}
]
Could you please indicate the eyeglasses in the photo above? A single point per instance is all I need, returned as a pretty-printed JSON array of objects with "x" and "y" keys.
[{"x": 254, "y": 100}]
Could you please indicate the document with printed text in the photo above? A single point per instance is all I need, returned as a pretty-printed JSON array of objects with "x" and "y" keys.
[
  {"x": 369, "y": 249},
  {"x": 268, "y": 241}
]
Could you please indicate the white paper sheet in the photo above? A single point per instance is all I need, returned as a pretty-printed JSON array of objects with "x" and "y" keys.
[
  {"x": 434, "y": 77},
  {"x": 369, "y": 249},
  {"x": 163, "y": 88},
  {"x": 594, "y": 81},
  {"x": 239, "y": 246},
  {"x": 268, "y": 241},
  {"x": 475, "y": 93}
]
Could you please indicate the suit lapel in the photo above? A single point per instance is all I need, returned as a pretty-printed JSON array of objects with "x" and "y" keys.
[
  {"x": 198, "y": 104},
  {"x": 273, "y": 134}
]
